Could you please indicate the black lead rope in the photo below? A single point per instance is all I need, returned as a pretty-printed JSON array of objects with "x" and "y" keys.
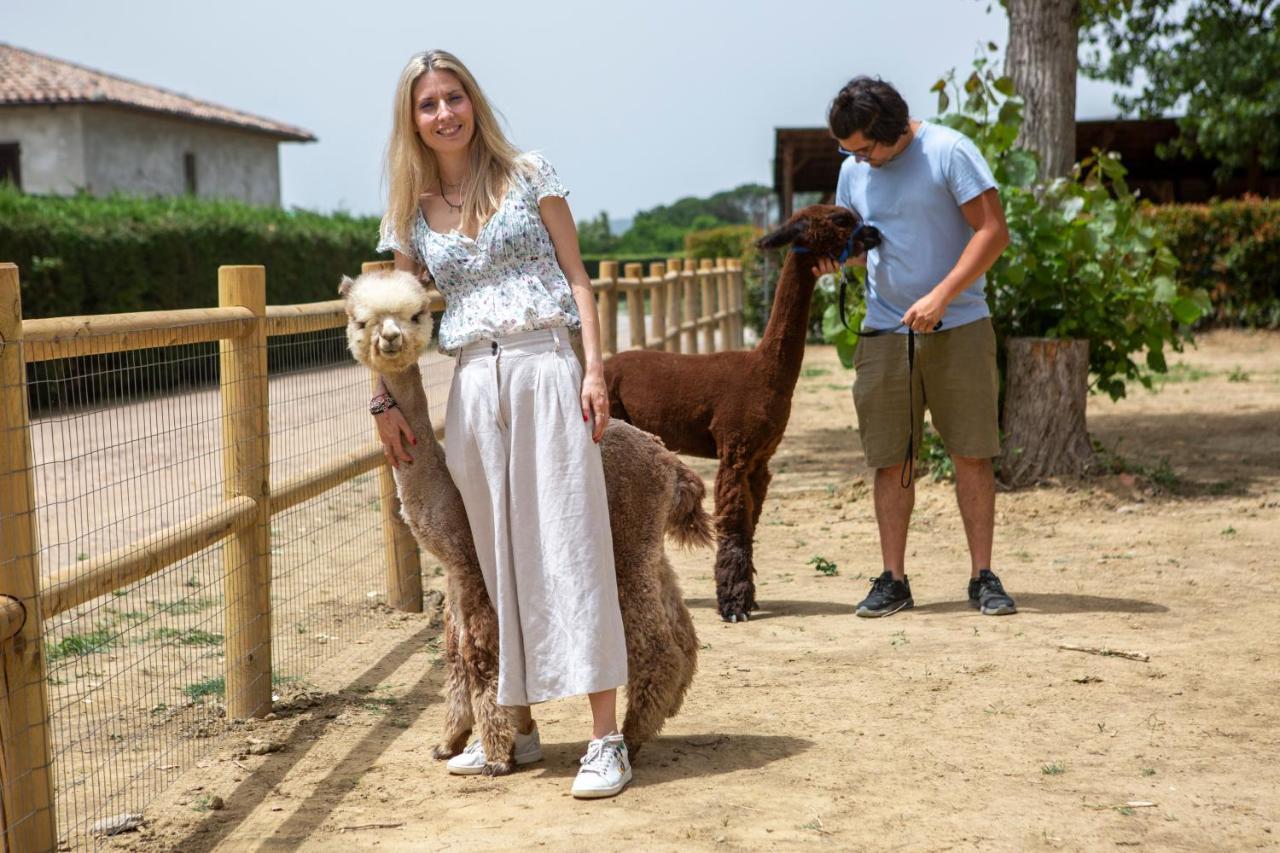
[{"x": 909, "y": 461}]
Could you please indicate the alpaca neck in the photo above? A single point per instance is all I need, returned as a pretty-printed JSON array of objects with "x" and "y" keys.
[
  {"x": 411, "y": 397},
  {"x": 784, "y": 336}
]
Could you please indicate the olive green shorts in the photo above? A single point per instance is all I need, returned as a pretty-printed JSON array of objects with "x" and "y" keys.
[{"x": 955, "y": 377}]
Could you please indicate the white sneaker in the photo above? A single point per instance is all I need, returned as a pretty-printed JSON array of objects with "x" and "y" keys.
[
  {"x": 606, "y": 768},
  {"x": 471, "y": 761}
]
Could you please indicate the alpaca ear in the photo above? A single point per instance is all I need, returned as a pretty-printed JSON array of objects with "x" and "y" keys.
[
  {"x": 787, "y": 234},
  {"x": 344, "y": 286}
]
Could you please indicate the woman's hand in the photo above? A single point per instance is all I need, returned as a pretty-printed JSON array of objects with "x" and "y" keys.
[
  {"x": 595, "y": 402},
  {"x": 393, "y": 432}
]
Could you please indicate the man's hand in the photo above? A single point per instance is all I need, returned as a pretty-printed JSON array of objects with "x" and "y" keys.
[
  {"x": 828, "y": 266},
  {"x": 926, "y": 314}
]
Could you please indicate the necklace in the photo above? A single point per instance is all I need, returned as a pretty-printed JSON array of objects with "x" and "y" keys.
[{"x": 454, "y": 207}]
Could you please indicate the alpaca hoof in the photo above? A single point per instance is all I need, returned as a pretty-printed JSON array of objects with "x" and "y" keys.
[
  {"x": 443, "y": 752},
  {"x": 497, "y": 768},
  {"x": 731, "y": 614}
]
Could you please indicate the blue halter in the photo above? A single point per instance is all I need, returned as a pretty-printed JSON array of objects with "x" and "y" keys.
[{"x": 844, "y": 253}]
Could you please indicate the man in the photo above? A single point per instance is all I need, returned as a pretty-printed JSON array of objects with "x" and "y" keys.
[{"x": 931, "y": 194}]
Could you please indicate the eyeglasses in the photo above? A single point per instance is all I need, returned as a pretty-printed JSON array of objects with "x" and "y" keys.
[{"x": 862, "y": 156}]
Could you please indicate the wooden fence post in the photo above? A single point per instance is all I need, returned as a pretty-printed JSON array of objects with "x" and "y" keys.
[
  {"x": 404, "y": 563},
  {"x": 608, "y": 305},
  {"x": 689, "y": 282},
  {"x": 246, "y": 455},
  {"x": 635, "y": 305},
  {"x": 672, "y": 343},
  {"x": 658, "y": 304},
  {"x": 27, "y": 817},
  {"x": 722, "y": 304},
  {"x": 706, "y": 317},
  {"x": 737, "y": 298}
]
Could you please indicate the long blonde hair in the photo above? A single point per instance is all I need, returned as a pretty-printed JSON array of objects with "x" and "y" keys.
[{"x": 411, "y": 168}]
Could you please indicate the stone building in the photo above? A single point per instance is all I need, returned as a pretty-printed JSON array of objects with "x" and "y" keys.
[{"x": 65, "y": 128}]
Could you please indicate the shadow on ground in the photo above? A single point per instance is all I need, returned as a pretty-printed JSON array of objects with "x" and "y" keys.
[
  {"x": 330, "y": 791},
  {"x": 774, "y": 608},
  {"x": 1049, "y": 602},
  {"x": 669, "y": 758}
]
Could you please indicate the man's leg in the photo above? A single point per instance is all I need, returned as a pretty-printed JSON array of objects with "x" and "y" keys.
[
  {"x": 976, "y": 494},
  {"x": 893, "y": 516}
]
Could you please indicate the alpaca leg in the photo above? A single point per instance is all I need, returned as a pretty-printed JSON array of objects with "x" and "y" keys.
[
  {"x": 458, "y": 717},
  {"x": 758, "y": 480},
  {"x": 686, "y": 642},
  {"x": 494, "y": 723},
  {"x": 497, "y": 731},
  {"x": 653, "y": 676},
  {"x": 735, "y": 591}
]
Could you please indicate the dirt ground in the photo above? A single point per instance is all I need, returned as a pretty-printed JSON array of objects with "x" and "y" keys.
[{"x": 935, "y": 729}]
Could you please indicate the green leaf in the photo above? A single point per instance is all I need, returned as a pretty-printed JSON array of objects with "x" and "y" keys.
[
  {"x": 844, "y": 350},
  {"x": 1186, "y": 311},
  {"x": 1164, "y": 289},
  {"x": 1004, "y": 86}
]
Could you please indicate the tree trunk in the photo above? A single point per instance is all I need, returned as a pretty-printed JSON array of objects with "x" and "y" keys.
[
  {"x": 1042, "y": 59},
  {"x": 1046, "y": 389}
]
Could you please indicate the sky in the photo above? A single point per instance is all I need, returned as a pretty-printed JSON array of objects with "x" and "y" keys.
[{"x": 635, "y": 104}]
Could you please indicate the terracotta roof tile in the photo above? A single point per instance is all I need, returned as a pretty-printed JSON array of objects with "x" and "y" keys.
[{"x": 28, "y": 78}]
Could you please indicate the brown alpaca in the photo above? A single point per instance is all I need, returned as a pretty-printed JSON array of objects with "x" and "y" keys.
[
  {"x": 734, "y": 406},
  {"x": 650, "y": 492}
]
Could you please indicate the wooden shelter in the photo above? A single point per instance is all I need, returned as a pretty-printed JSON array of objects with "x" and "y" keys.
[{"x": 805, "y": 159}]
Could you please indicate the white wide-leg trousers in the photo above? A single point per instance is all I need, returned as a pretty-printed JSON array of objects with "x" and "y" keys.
[{"x": 533, "y": 486}]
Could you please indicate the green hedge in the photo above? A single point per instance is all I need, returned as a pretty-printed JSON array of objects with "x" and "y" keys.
[
  {"x": 84, "y": 255},
  {"x": 726, "y": 241},
  {"x": 1232, "y": 249}
]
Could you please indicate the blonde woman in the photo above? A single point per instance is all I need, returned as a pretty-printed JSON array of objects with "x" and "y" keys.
[{"x": 491, "y": 226}]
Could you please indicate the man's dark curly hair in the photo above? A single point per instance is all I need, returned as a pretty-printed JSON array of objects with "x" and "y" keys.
[{"x": 871, "y": 107}]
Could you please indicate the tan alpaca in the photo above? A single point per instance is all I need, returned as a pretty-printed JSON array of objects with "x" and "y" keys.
[{"x": 650, "y": 491}]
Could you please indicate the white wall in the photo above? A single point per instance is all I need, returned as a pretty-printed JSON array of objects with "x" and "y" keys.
[
  {"x": 51, "y": 141},
  {"x": 142, "y": 154}
]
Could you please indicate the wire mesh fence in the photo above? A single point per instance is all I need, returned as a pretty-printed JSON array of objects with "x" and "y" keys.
[
  {"x": 129, "y": 447},
  {"x": 142, "y": 555}
]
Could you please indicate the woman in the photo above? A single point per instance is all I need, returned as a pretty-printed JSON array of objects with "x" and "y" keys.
[{"x": 492, "y": 228}]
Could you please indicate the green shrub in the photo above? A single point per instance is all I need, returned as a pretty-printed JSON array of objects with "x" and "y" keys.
[
  {"x": 726, "y": 241},
  {"x": 85, "y": 255},
  {"x": 1231, "y": 248}
]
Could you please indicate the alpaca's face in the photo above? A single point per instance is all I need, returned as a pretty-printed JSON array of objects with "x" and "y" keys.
[
  {"x": 824, "y": 229},
  {"x": 388, "y": 320}
]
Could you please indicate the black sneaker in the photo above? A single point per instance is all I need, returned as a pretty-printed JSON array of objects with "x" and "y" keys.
[
  {"x": 987, "y": 594},
  {"x": 887, "y": 597}
]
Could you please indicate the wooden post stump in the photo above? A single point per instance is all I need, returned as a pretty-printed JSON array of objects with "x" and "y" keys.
[
  {"x": 608, "y": 305},
  {"x": 1046, "y": 390},
  {"x": 635, "y": 306},
  {"x": 689, "y": 328},
  {"x": 658, "y": 305},
  {"x": 673, "y": 305}
]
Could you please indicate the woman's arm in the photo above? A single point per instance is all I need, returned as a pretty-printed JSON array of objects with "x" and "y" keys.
[{"x": 564, "y": 236}]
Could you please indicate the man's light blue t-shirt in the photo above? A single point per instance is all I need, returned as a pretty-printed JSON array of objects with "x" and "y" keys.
[{"x": 914, "y": 200}]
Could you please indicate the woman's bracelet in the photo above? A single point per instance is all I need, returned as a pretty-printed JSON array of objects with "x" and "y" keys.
[{"x": 380, "y": 403}]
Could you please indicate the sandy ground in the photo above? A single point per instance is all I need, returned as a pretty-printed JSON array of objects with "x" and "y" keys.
[{"x": 935, "y": 729}]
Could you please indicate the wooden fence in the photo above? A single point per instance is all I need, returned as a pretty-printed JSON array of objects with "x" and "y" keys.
[{"x": 693, "y": 307}]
